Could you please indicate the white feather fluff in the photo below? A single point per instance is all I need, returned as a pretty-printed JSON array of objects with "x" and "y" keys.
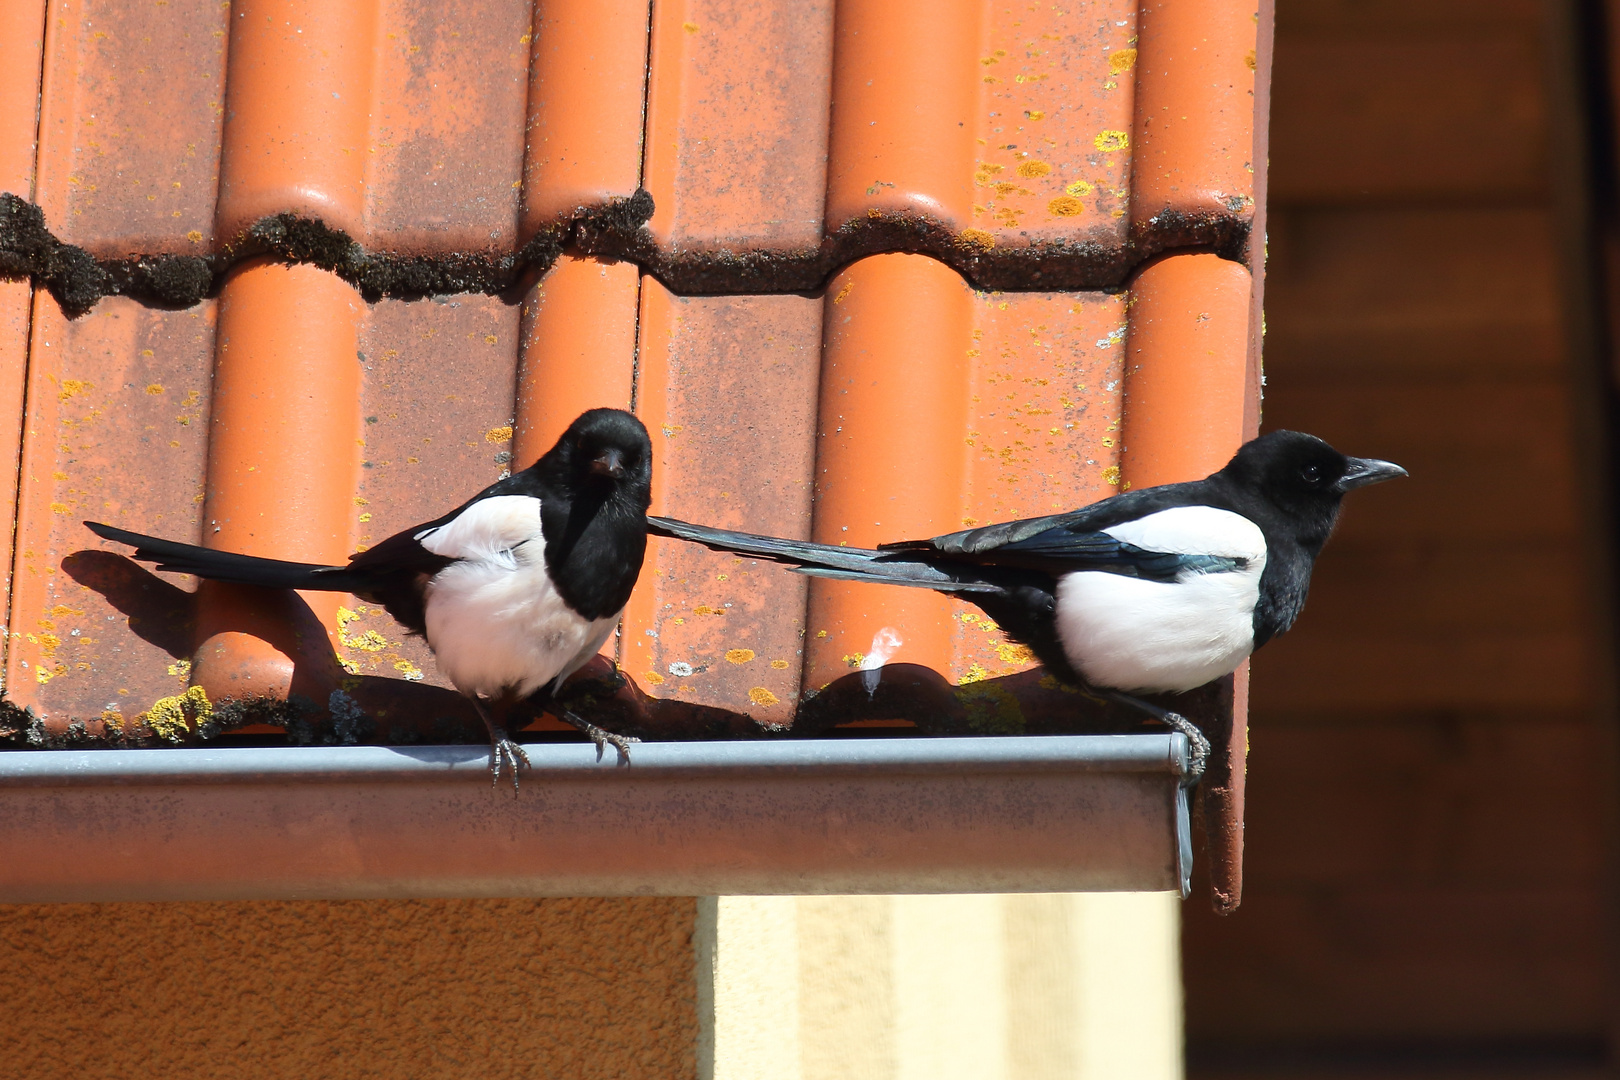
[
  {"x": 1150, "y": 636},
  {"x": 494, "y": 618}
]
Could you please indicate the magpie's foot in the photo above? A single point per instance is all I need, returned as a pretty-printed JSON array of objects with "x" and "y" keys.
[
  {"x": 504, "y": 753},
  {"x": 602, "y": 738},
  {"x": 1197, "y": 741},
  {"x": 1197, "y": 746}
]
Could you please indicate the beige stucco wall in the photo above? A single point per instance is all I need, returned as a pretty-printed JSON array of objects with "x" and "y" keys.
[
  {"x": 424, "y": 989},
  {"x": 1023, "y": 987}
]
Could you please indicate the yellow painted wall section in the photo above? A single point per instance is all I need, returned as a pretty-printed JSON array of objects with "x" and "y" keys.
[
  {"x": 1016, "y": 987},
  {"x": 425, "y": 989}
]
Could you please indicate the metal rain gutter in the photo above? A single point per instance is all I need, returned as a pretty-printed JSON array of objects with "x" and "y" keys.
[{"x": 916, "y": 815}]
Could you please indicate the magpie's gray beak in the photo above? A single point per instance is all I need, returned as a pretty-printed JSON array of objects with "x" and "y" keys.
[
  {"x": 1363, "y": 471},
  {"x": 609, "y": 463}
]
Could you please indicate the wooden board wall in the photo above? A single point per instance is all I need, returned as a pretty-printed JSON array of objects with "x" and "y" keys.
[{"x": 1425, "y": 839}]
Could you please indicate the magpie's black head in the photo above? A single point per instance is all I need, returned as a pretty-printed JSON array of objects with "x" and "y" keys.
[
  {"x": 606, "y": 452},
  {"x": 1304, "y": 478}
]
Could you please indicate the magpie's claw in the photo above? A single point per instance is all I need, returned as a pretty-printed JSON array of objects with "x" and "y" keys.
[
  {"x": 602, "y": 738},
  {"x": 503, "y": 752},
  {"x": 1197, "y": 741},
  {"x": 1197, "y": 746}
]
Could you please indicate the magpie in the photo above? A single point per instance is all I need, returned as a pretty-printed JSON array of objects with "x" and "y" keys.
[
  {"x": 1152, "y": 591},
  {"x": 516, "y": 588}
]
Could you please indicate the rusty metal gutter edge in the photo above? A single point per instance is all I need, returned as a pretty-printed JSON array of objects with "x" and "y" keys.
[{"x": 848, "y": 815}]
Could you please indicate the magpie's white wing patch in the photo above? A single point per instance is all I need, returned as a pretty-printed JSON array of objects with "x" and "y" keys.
[
  {"x": 496, "y": 621},
  {"x": 488, "y": 529},
  {"x": 1194, "y": 530},
  {"x": 1156, "y": 636}
]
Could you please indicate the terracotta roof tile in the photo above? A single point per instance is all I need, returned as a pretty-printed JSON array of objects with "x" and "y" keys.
[
  {"x": 735, "y": 445},
  {"x": 1195, "y": 112},
  {"x": 445, "y": 148},
  {"x": 129, "y": 137},
  {"x": 587, "y": 90},
  {"x": 578, "y": 348},
  {"x": 22, "y": 42},
  {"x": 728, "y": 86},
  {"x": 117, "y": 427}
]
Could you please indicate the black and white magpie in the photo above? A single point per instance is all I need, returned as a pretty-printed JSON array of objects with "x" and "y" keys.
[
  {"x": 1153, "y": 591},
  {"x": 515, "y": 589}
]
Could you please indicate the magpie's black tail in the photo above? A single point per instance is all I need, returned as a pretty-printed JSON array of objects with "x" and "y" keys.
[
  {"x": 821, "y": 560},
  {"x": 228, "y": 566}
]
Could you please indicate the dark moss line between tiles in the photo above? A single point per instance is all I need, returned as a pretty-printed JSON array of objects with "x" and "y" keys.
[
  {"x": 78, "y": 280},
  {"x": 615, "y": 230}
]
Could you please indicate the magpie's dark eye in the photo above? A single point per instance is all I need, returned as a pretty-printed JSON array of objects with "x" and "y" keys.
[{"x": 1311, "y": 474}]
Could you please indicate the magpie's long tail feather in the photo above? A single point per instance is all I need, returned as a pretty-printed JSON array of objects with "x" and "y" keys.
[
  {"x": 820, "y": 560},
  {"x": 228, "y": 566}
]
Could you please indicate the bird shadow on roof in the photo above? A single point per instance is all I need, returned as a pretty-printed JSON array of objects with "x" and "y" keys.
[{"x": 903, "y": 698}]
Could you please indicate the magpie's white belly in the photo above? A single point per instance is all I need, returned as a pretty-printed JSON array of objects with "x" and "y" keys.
[
  {"x": 494, "y": 619},
  {"x": 1125, "y": 633}
]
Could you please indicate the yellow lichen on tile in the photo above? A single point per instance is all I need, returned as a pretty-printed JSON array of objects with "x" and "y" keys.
[
  {"x": 168, "y": 716},
  {"x": 978, "y": 239},
  {"x": 1011, "y": 652},
  {"x": 1121, "y": 60},
  {"x": 1110, "y": 141},
  {"x": 761, "y": 696},
  {"x": 369, "y": 641},
  {"x": 739, "y": 656}
]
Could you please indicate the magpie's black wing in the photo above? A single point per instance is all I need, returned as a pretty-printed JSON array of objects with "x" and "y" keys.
[
  {"x": 401, "y": 553},
  {"x": 1100, "y": 515},
  {"x": 985, "y": 538},
  {"x": 1062, "y": 550}
]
